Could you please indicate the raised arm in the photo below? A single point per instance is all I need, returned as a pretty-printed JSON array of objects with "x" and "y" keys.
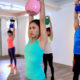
[
  {"x": 43, "y": 33},
  {"x": 51, "y": 31},
  {"x": 30, "y": 19},
  {"x": 76, "y": 21},
  {"x": 9, "y": 28},
  {"x": 13, "y": 33}
]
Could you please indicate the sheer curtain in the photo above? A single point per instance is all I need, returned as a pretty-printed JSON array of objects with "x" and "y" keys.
[
  {"x": 4, "y": 36},
  {"x": 0, "y": 40},
  {"x": 22, "y": 34}
]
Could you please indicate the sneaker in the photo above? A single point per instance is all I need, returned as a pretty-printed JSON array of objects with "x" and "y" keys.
[
  {"x": 10, "y": 65},
  {"x": 14, "y": 67}
]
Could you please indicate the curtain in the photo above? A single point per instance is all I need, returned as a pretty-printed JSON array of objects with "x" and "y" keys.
[{"x": 0, "y": 40}]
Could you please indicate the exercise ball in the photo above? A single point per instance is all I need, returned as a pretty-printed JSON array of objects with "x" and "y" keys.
[
  {"x": 47, "y": 21},
  {"x": 77, "y": 8},
  {"x": 33, "y": 7},
  {"x": 11, "y": 25}
]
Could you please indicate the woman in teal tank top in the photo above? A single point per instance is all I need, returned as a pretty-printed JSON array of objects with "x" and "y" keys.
[{"x": 35, "y": 48}]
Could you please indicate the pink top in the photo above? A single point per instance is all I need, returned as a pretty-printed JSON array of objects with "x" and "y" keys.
[{"x": 10, "y": 42}]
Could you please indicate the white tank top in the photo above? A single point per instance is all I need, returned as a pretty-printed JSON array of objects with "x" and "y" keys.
[{"x": 48, "y": 48}]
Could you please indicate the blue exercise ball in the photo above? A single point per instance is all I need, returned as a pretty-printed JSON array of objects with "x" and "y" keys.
[
  {"x": 77, "y": 8},
  {"x": 11, "y": 25}
]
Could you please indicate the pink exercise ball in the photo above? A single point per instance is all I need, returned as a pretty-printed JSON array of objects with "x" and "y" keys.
[{"x": 33, "y": 7}]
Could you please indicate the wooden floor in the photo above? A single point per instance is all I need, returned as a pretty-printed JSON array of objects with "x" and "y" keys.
[{"x": 61, "y": 72}]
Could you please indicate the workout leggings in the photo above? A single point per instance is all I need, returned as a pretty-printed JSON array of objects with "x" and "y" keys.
[
  {"x": 11, "y": 52},
  {"x": 76, "y": 67},
  {"x": 48, "y": 58}
]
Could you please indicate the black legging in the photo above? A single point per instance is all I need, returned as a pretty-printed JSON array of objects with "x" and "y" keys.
[
  {"x": 76, "y": 76},
  {"x": 76, "y": 67},
  {"x": 11, "y": 52},
  {"x": 48, "y": 58}
]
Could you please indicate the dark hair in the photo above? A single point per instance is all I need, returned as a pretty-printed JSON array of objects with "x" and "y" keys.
[
  {"x": 36, "y": 21},
  {"x": 9, "y": 31},
  {"x": 48, "y": 29}
]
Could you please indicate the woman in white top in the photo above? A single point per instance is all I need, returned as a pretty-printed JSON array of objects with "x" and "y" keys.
[{"x": 48, "y": 57}]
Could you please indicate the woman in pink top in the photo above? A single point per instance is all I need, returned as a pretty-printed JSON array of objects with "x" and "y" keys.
[{"x": 11, "y": 48}]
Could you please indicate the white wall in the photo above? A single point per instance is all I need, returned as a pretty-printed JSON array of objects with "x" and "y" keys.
[{"x": 63, "y": 34}]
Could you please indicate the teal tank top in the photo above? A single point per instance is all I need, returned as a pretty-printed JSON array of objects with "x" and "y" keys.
[
  {"x": 33, "y": 58},
  {"x": 77, "y": 42}
]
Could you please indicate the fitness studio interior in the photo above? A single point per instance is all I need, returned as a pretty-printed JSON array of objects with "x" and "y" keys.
[{"x": 26, "y": 51}]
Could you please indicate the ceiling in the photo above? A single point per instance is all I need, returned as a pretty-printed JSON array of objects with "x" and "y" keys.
[
  {"x": 52, "y": 2},
  {"x": 19, "y": 5}
]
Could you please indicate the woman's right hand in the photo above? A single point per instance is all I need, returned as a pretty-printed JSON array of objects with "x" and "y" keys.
[{"x": 49, "y": 17}]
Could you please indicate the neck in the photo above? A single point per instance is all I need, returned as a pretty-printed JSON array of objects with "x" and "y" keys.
[
  {"x": 9, "y": 36},
  {"x": 34, "y": 38}
]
